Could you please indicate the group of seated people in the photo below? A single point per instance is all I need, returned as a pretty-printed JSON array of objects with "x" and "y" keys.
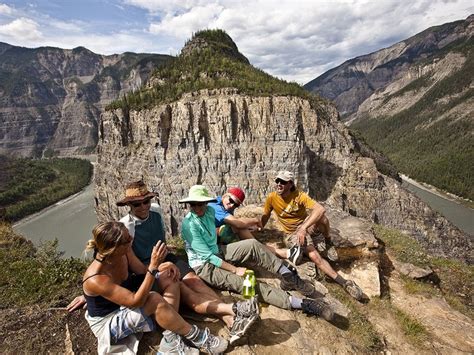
[{"x": 134, "y": 283}]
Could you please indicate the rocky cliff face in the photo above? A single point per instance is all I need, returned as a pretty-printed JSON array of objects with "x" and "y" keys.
[
  {"x": 222, "y": 138},
  {"x": 51, "y": 98}
]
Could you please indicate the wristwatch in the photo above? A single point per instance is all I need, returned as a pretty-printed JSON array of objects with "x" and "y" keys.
[{"x": 154, "y": 272}]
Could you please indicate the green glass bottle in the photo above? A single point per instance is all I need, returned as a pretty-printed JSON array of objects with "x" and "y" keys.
[{"x": 248, "y": 290}]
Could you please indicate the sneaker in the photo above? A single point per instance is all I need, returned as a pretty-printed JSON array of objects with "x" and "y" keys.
[
  {"x": 173, "y": 344},
  {"x": 246, "y": 313},
  {"x": 353, "y": 290},
  {"x": 317, "y": 307},
  {"x": 295, "y": 254},
  {"x": 240, "y": 327},
  {"x": 291, "y": 281},
  {"x": 211, "y": 344},
  {"x": 247, "y": 308}
]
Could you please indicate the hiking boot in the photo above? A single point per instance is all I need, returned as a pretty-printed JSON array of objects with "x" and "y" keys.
[
  {"x": 291, "y": 281},
  {"x": 317, "y": 307},
  {"x": 354, "y": 291},
  {"x": 246, "y": 313},
  {"x": 247, "y": 308},
  {"x": 173, "y": 344},
  {"x": 295, "y": 254},
  {"x": 211, "y": 344}
]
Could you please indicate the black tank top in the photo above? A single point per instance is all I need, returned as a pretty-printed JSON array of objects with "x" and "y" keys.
[{"x": 98, "y": 306}]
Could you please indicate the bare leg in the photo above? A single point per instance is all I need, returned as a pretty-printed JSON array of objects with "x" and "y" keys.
[
  {"x": 246, "y": 234},
  {"x": 170, "y": 291},
  {"x": 165, "y": 315},
  {"x": 321, "y": 263},
  {"x": 203, "y": 300}
]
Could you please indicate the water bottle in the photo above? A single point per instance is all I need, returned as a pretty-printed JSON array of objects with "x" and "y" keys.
[{"x": 248, "y": 290}]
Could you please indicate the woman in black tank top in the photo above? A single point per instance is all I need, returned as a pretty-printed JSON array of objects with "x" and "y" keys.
[{"x": 107, "y": 284}]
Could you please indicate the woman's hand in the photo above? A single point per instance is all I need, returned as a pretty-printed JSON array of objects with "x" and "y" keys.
[
  {"x": 169, "y": 269},
  {"x": 76, "y": 303},
  {"x": 158, "y": 255},
  {"x": 240, "y": 271}
]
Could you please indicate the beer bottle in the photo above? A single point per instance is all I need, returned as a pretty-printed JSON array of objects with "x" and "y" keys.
[{"x": 248, "y": 290}]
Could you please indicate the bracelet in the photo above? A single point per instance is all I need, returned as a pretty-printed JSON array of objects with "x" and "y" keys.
[{"x": 153, "y": 272}]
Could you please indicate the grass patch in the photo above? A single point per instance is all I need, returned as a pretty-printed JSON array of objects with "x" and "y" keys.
[
  {"x": 361, "y": 331},
  {"x": 176, "y": 245},
  {"x": 35, "y": 276},
  {"x": 456, "y": 278},
  {"x": 404, "y": 248},
  {"x": 414, "y": 330}
]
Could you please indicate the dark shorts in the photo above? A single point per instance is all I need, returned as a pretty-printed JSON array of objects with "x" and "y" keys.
[{"x": 182, "y": 265}]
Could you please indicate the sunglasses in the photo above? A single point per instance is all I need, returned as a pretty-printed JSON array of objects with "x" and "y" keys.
[
  {"x": 281, "y": 182},
  {"x": 139, "y": 203},
  {"x": 231, "y": 201},
  {"x": 197, "y": 204}
]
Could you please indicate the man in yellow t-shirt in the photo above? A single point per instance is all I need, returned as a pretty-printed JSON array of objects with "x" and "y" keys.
[{"x": 306, "y": 233}]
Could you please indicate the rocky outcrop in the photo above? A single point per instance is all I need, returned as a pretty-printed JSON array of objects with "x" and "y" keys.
[
  {"x": 222, "y": 138},
  {"x": 51, "y": 98}
]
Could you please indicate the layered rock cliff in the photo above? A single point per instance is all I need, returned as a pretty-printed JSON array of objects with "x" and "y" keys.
[
  {"x": 51, "y": 98},
  {"x": 222, "y": 138}
]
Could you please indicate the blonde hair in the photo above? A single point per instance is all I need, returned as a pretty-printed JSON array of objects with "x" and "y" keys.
[{"x": 106, "y": 237}]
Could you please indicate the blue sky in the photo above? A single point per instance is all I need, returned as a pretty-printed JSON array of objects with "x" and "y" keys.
[{"x": 291, "y": 39}]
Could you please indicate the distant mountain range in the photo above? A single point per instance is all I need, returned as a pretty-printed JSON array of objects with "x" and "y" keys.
[
  {"x": 51, "y": 98},
  {"x": 414, "y": 102}
]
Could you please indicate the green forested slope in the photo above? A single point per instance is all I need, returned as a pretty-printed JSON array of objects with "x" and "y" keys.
[
  {"x": 432, "y": 141},
  {"x": 27, "y": 185}
]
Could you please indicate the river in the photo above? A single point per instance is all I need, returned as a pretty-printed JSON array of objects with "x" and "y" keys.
[
  {"x": 457, "y": 213},
  {"x": 72, "y": 220}
]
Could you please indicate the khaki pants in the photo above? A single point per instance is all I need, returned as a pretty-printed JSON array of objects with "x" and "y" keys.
[{"x": 249, "y": 252}]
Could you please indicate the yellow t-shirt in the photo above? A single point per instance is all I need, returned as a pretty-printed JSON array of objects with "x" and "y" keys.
[{"x": 291, "y": 211}]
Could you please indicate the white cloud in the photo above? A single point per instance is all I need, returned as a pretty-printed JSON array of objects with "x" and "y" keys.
[
  {"x": 5, "y": 9},
  {"x": 181, "y": 26},
  {"x": 21, "y": 29},
  {"x": 292, "y": 39}
]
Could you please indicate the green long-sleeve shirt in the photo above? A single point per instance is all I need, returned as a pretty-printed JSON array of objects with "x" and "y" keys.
[{"x": 199, "y": 234}]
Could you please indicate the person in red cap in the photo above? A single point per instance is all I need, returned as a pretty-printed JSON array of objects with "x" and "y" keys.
[{"x": 230, "y": 228}]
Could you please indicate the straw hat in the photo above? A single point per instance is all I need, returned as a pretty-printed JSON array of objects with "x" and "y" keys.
[{"x": 135, "y": 191}]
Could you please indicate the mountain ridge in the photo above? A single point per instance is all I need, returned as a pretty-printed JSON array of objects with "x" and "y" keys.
[{"x": 51, "y": 98}]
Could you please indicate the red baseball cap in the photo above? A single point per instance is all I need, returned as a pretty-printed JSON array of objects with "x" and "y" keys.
[{"x": 237, "y": 192}]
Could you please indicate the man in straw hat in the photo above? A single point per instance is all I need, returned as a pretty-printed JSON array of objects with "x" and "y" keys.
[
  {"x": 220, "y": 265},
  {"x": 307, "y": 233},
  {"x": 145, "y": 223}
]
